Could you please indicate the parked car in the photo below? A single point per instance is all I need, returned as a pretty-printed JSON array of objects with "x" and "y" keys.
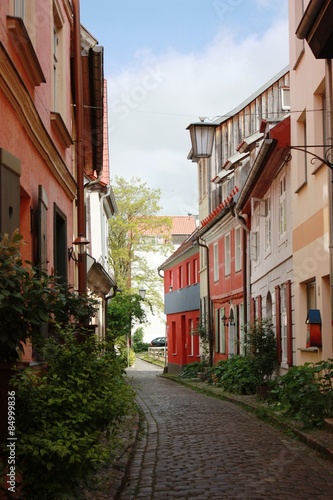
[{"x": 159, "y": 342}]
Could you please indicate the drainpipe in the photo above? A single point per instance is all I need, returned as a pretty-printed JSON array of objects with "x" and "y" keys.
[
  {"x": 209, "y": 311},
  {"x": 81, "y": 223},
  {"x": 95, "y": 181},
  {"x": 246, "y": 263},
  {"x": 329, "y": 128}
]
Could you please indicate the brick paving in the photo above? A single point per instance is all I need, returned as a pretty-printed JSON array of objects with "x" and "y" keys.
[{"x": 197, "y": 447}]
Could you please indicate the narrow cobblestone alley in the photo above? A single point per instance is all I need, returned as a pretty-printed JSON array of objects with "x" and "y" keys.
[{"x": 198, "y": 447}]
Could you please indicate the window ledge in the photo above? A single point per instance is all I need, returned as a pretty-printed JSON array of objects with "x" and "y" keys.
[
  {"x": 60, "y": 128},
  {"x": 308, "y": 349},
  {"x": 25, "y": 50}
]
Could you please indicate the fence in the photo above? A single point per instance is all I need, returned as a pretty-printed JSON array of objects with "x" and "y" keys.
[{"x": 160, "y": 353}]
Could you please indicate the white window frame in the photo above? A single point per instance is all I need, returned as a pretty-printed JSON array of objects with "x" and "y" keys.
[
  {"x": 268, "y": 225},
  {"x": 238, "y": 249},
  {"x": 222, "y": 340},
  {"x": 188, "y": 273},
  {"x": 58, "y": 69},
  {"x": 282, "y": 206},
  {"x": 203, "y": 258},
  {"x": 181, "y": 277},
  {"x": 216, "y": 261},
  {"x": 195, "y": 271},
  {"x": 227, "y": 255}
]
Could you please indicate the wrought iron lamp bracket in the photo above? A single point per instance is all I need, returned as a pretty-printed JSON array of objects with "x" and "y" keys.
[{"x": 327, "y": 156}]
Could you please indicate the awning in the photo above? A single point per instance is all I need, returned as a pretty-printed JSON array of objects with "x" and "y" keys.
[{"x": 249, "y": 143}]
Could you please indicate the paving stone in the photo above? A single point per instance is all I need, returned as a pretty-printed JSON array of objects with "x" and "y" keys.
[{"x": 195, "y": 446}]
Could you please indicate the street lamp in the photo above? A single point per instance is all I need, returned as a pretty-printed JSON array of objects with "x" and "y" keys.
[
  {"x": 80, "y": 243},
  {"x": 202, "y": 137},
  {"x": 142, "y": 293}
]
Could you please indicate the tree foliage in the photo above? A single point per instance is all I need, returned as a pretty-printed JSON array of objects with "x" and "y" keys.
[
  {"x": 124, "y": 311},
  {"x": 135, "y": 232}
]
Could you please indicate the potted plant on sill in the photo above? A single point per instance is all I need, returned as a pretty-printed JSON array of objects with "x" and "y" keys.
[{"x": 260, "y": 345}]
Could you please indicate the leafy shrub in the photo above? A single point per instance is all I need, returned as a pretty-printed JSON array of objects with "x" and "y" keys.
[
  {"x": 192, "y": 370},
  {"x": 260, "y": 345},
  {"x": 63, "y": 413},
  {"x": 30, "y": 298},
  {"x": 305, "y": 392},
  {"x": 235, "y": 375}
]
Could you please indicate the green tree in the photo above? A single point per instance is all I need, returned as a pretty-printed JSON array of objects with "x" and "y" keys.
[
  {"x": 124, "y": 311},
  {"x": 137, "y": 341},
  {"x": 135, "y": 232}
]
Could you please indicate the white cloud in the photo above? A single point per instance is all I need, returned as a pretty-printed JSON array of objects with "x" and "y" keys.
[{"x": 151, "y": 103}]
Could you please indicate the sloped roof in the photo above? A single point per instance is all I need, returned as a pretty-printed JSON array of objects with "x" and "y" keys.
[
  {"x": 183, "y": 224},
  {"x": 185, "y": 247}
]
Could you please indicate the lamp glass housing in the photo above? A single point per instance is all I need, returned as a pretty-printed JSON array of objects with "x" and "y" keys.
[
  {"x": 202, "y": 138},
  {"x": 81, "y": 243}
]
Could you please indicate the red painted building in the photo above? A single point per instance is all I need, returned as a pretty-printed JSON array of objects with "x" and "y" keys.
[
  {"x": 182, "y": 305},
  {"x": 224, "y": 236},
  {"x": 51, "y": 137}
]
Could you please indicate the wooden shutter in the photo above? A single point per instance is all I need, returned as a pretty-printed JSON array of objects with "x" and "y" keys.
[{"x": 10, "y": 171}]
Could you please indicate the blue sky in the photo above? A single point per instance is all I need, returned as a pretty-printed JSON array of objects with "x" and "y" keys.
[{"x": 168, "y": 62}]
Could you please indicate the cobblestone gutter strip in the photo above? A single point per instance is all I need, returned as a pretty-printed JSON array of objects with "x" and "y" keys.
[
  {"x": 318, "y": 439},
  {"x": 109, "y": 481}
]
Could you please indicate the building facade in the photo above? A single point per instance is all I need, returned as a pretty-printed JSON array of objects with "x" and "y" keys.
[
  {"x": 182, "y": 304},
  {"x": 51, "y": 131},
  {"x": 240, "y": 166},
  {"x": 311, "y": 180}
]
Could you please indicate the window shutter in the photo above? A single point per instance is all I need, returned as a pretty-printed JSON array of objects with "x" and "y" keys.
[{"x": 10, "y": 171}]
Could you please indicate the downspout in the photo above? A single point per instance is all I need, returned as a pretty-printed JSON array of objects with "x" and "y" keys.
[
  {"x": 96, "y": 72},
  {"x": 209, "y": 311},
  {"x": 107, "y": 298},
  {"x": 95, "y": 181},
  {"x": 246, "y": 263},
  {"x": 329, "y": 128},
  {"x": 81, "y": 225}
]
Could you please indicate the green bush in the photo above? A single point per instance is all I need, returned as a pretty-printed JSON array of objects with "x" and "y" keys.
[
  {"x": 30, "y": 298},
  {"x": 260, "y": 346},
  {"x": 193, "y": 370},
  {"x": 64, "y": 414},
  {"x": 235, "y": 375},
  {"x": 305, "y": 392}
]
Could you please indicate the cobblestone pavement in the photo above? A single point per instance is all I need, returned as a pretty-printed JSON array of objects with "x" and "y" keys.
[{"x": 198, "y": 447}]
